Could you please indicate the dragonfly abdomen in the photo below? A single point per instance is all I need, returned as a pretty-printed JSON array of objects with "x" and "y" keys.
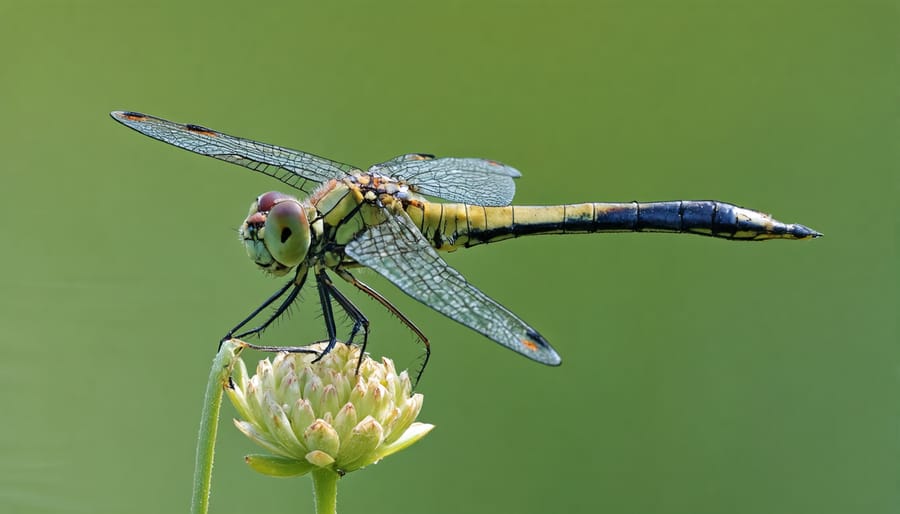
[{"x": 450, "y": 226}]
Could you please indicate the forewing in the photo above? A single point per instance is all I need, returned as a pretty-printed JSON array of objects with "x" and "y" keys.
[
  {"x": 299, "y": 170},
  {"x": 466, "y": 180},
  {"x": 397, "y": 251}
]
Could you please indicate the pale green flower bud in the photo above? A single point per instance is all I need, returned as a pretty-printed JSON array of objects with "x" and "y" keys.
[{"x": 324, "y": 415}]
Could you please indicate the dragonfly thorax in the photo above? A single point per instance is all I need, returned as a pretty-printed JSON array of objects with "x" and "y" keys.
[
  {"x": 276, "y": 232},
  {"x": 378, "y": 184}
]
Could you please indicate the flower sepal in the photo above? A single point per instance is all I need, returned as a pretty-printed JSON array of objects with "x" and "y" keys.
[{"x": 280, "y": 467}]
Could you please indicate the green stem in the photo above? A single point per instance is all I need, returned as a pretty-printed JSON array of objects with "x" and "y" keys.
[
  {"x": 209, "y": 423},
  {"x": 325, "y": 490}
]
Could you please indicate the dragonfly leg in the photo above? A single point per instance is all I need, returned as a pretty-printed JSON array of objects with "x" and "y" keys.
[
  {"x": 360, "y": 322},
  {"x": 297, "y": 286},
  {"x": 344, "y": 274},
  {"x": 278, "y": 312},
  {"x": 277, "y": 349},
  {"x": 282, "y": 307},
  {"x": 256, "y": 312},
  {"x": 322, "y": 285},
  {"x": 287, "y": 349}
]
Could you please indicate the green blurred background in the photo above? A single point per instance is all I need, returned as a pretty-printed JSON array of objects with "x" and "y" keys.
[{"x": 699, "y": 376}]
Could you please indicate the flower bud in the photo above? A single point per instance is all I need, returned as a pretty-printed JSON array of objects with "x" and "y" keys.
[{"x": 324, "y": 414}]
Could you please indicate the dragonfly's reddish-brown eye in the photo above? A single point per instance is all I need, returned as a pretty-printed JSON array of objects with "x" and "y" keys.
[
  {"x": 266, "y": 201},
  {"x": 287, "y": 234}
]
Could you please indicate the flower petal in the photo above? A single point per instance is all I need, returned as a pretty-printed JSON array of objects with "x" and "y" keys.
[
  {"x": 302, "y": 416},
  {"x": 359, "y": 449},
  {"x": 259, "y": 438},
  {"x": 329, "y": 400},
  {"x": 345, "y": 420},
  {"x": 322, "y": 436},
  {"x": 278, "y": 466},
  {"x": 415, "y": 432},
  {"x": 280, "y": 428},
  {"x": 319, "y": 458}
]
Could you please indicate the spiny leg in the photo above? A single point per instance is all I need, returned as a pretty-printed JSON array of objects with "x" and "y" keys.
[
  {"x": 297, "y": 286},
  {"x": 344, "y": 274},
  {"x": 289, "y": 299},
  {"x": 327, "y": 312},
  {"x": 278, "y": 312},
  {"x": 359, "y": 319},
  {"x": 256, "y": 312},
  {"x": 301, "y": 275}
]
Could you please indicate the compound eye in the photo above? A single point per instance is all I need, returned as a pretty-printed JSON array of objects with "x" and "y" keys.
[
  {"x": 287, "y": 234},
  {"x": 266, "y": 201}
]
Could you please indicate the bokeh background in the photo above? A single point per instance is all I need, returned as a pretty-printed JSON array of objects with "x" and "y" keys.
[{"x": 699, "y": 376}]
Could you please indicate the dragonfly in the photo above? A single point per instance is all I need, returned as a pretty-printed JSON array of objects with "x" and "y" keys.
[{"x": 382, "y": 219}]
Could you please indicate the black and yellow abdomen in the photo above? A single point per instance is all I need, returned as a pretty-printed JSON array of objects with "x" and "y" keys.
[{"x": 449, "y": 226}]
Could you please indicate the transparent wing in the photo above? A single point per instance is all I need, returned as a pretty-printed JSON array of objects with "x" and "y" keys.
[
  {"x": 465, "y": 180},
  {"x": 299, "y": 170},
  {"x": 397, "y": 251}
]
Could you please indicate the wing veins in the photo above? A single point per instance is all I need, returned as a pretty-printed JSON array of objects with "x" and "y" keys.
[
  {"x": 396, "y": 250},
  {"x": 297, "y": 169}
]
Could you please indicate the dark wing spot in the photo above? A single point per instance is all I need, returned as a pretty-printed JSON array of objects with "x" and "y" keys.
[
  {"x": 200, "y": 129},
  {"x": 134, "y": 116}
]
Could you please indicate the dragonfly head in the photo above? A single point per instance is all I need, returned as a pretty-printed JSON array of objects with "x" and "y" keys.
[{"x": 276, "y": 232}]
